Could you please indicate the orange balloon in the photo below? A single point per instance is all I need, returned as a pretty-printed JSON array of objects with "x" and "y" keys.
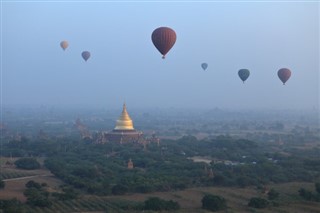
[{"x": 64, "y": 45}]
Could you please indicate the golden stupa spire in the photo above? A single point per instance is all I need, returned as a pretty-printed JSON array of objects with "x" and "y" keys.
[{"x": 124, "y": 122}]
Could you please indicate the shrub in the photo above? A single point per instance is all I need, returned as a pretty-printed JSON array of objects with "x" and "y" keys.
[
  {"x": 157, "y": 204},
  {"x": 33, "y": 184},
  {"x": 119, "y": 189},
  {"x": 27, "y": 163},
  {"x": 2, "y": 184},
  {"x": 37, "y": 197},
  {"x": 213, "y": 203},
  {"x": 11, "y": 206},
  {"x": 273, "y": 194},
  {"x": 259, "y": 203},
  {"x": 317, "y": 185}
]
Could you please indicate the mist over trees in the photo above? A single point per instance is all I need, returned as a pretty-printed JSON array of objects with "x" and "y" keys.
[{"x": 199, "y": 149}]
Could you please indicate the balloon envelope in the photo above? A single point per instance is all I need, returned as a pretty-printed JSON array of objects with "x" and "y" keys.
[
  {"x": 204, "y": 66},
  {"x": 64, "y": 45},
  {"x": 244, "y": 74},
  {"x": 163, "y": 39},
  {"x": 284, "y": 74},
  {"x": 85, "y": 55}
]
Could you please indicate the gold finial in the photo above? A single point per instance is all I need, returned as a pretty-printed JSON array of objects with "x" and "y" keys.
[{"x": 124, "y": 122}]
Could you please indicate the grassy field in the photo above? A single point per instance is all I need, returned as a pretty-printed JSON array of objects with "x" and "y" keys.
[
  {"x": 189, "y": 199},
  {"x": 237, "y": 198}
]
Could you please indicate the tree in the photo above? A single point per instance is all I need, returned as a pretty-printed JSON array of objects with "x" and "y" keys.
[
  {"x": 27, "y": 163},
  {"x": 308, "y": 195},
  {"x": 213, "y": 203},
  {"x": 37, "y": 197},
  {"x": 317, "y": 185},
  {"x": 68, "y": 194},
  {"x": 11, "y": 206},
  {"x": 157, "y": 204},
  {"x": 33, "y": 184},
  {"x": 257, "y": 202},
  {"x": 273, "y": 194},
  {"x": 119, "y": 189},
  {"x": 2, "y": 184}
]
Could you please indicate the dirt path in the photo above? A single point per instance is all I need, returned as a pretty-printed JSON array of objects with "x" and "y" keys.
[{"x": 27, "y": 177}]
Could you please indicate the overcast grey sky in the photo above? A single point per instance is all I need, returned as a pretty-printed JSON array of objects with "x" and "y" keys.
[{"x": 124, "y": 64}]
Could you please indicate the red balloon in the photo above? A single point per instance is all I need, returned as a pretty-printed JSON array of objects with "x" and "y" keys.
[
  {"x": 163, "y": 39},
  {"x": 284, "y": 74}
]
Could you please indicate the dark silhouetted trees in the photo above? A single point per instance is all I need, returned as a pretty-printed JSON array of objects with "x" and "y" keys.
[
  {"x": 213, "y": 203},
  {"x": 27, "y": 163},
  {"x": 157, "y": 204},
  {"x": 258, "y": 202},
  {"x": 2, "y": 184}
]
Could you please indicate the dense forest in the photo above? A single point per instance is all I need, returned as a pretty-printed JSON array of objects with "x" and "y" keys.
[{"x": 102, "y": 169}]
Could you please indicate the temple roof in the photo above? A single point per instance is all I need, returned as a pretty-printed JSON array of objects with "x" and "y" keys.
[{"x": 124, "y": 122}]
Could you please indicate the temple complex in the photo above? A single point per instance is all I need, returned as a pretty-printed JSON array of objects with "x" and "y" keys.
[{"x": 124, "y": 131}]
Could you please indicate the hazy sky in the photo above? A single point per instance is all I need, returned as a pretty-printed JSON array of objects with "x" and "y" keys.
[{"x": 124, "y": 64}]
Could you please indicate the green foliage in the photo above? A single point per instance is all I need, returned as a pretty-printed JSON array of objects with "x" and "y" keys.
[
  {"x": 129, "y": 206},
  {"x": 119, "y": 189},
  {"x": 36, "y": 195},
  {"x": 2, "y": 184},
  {"x": 96, "y": 168},
  {"x": 273, "y": 194},
  {"x": 33, "y": 184},
  {"x": 317, "y": 186},
  {"x": 308, "y": 195},
  {"x": 44, "y": 184},
  {"x": 312, "y": 164},
  {"x": 258, "y": 202},
  {"x": 157, "y": 204},
  {"x": 213, "y": 203},
  {"x": 27, "y": 163},
  {"x": 68, "y": 194},
  {"x": 11, "y": 206}
]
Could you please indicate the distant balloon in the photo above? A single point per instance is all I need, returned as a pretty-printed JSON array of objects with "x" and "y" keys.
[
  {"x": 163, "y": 39},
  {"x": 85, "y": 55},
  {"x": 64, "y": 45},
  {"x": 244, "y": 74},
  {"x": 284, "y": 74},
  {"x": 204, "y": 66}
]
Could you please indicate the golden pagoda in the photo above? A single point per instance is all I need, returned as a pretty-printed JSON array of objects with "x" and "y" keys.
[
  {"x": 124, "y": 131},
  {"x": 124, "y": 122}
]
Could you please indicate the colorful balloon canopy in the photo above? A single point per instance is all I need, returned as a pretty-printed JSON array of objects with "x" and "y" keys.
[
  {"x": 204, "y": 66},
  {"x": 85, "y": 55},
  {"x": 244, "y": 74},
  {"x": 163, "y": 39},
  {"x": 284, "y": 74},
  {"x": 64, "y": 45}
]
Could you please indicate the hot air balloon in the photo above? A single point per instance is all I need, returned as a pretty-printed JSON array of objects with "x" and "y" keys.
[
  {"x": 204, "y": 66},
  {"x": 85, "y": 55},
  {"x": 163, "y": 39},
  {"x": 64, "y": 45},
  {"x": 244, "y": 74},
  {"x": 284, "y": 74}
]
